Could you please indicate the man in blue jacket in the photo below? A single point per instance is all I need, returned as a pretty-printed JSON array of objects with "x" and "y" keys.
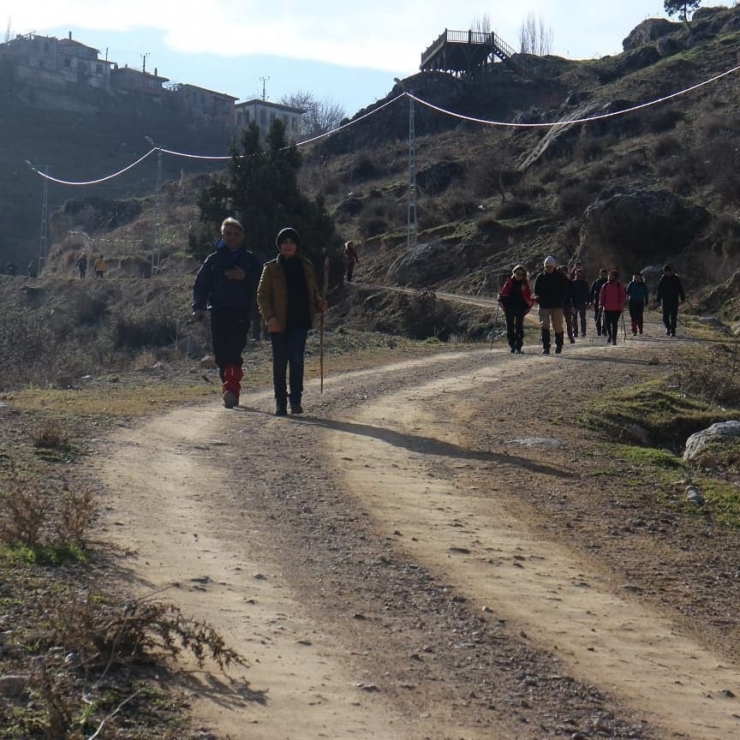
[{"x": 226, "y": 284}]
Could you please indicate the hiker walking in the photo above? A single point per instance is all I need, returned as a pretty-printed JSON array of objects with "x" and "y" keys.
[
  {"x": 550, "y": 290},
  {"x": 516, "y": 301},
  {"x": 595, "y": 291},
  {"x": 32, "y": 269},
  {"x": 100, "y": 266},
  {"x": 82, "y": 264},
  {"x": 568, "y": 304},
  {"x": 225, "y": 284},
  {"x": 611, "y": 300},
  {"x": 350, "y": 254},
  {"x": 288, "y": 298},
  {"x": 670, "y": 294},
  {"x": 581, "y": 300},
  {"x": 637, "y": 298}
]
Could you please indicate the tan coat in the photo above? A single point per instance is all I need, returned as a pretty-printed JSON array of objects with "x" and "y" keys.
[{"x": 272, "y": 292}]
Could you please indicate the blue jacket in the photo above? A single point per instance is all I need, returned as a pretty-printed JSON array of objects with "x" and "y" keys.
[
  {"x": 212, "y": 289},
  {"x": 637, "y": 291}
]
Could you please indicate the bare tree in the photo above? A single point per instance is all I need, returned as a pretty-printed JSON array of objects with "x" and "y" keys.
[
  {"x": 482, "y": 24},
  {"x": 320, "y": 116},
  {"x": 535, "y": 37}
]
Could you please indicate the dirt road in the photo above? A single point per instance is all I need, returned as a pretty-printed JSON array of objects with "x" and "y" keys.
[{"x": 380, "y": 565}]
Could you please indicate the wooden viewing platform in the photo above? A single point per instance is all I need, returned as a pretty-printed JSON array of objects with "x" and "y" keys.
[{"x": 466, "y": 52}]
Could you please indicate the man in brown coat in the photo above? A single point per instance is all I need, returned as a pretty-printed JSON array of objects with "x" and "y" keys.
[{"x": 289, "y": 299}]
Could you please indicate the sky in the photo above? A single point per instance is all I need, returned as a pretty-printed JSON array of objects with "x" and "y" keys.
[{"x": 339, "y": 51}]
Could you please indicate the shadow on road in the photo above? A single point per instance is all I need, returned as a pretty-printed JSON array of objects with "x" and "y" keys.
[{"x": 431, "y": 446}]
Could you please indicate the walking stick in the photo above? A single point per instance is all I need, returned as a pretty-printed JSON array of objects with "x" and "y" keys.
[
  {"x": 321, "y": 323},
  {"x": 624, "y": 328}
]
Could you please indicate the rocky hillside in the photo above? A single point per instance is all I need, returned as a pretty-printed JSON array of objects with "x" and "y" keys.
[{"x": 633, "y": 190}]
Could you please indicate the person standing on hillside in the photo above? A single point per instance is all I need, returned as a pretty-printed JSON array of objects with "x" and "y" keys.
[
  {"x": 550, "y": 291},
  {"x": 352, "y": 258},
  {"x": 515, "y": 299},
  {"x": 595, "y": 292},
  {"x": 81, "y": 264},
  {"x": 289, "y": 298},
  {"x": 637, "y": 298},
  {"x": 100, "y": 266},
  {"x": 670, "y": 294},
  {"x": 581, "y": 300},
  {"x": 225, "y": 284}
]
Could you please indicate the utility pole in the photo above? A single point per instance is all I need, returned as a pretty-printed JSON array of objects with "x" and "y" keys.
[
  {"x": 143, "y": 61},
  {"x": 43, "y": 245},
  {"x": 156, "y": 257},
  {"x": 264, "y": 91},
  {"x": 411, "y": 224}
]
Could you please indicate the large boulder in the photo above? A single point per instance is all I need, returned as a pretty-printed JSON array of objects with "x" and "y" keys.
[
  {"x": 721, "y": 432},
  {"x": 424, "y": 265},
  {"x": 648, "y": 31},
  {"x": 628, "y": 227}
]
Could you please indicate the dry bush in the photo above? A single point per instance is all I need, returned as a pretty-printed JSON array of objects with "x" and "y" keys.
[
  {"x": 574, "y": 199},
  {"x": 512, "y": 209},
  {"x": 50, "y": 436},
  {"x": 45, "y": 520}
]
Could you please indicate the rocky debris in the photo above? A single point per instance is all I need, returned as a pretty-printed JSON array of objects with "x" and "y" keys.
[
  {"x": 717, "y": 433},
  {"x": 693, "y": 495},
  {"x": 349, "y": 207},
  {"x": 648, "y": 31}
]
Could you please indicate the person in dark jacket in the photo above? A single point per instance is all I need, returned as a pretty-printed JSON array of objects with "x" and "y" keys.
[
  {"x": 581, "y": 301},
  {"x": 515, "y": 299},
  {"x": 568, "y": 304},
  {"x": 82, "y": 264},
  {"x": 288, "y": 298},
  {"x": 352, "y": 258},
  {"x": 225, "y": 284},
  {"x": 550, "y": 290},
  {"x": 670, "y": 294},
  {"x": 595, "y": 292},
  {"x": 637, "y": 298}
]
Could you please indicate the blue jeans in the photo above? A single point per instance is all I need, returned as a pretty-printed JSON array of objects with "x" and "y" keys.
[{"x": 288, "y": 348}]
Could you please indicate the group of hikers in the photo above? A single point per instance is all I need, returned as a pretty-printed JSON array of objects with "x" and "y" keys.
[
  {"x": 229, "y": 283},
  {"x": 563, "y": 297}
]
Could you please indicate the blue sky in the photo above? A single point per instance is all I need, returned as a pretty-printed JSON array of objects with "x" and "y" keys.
[{"x": 338, "y": 50}]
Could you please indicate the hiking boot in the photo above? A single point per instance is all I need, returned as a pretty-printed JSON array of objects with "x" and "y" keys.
[
  {"x": 558, "y": 349},
  {"x": 230, "y": 399},
  {"x": 546, "y": 351},
  {"x": 614, "y": 341},
  {"x": 572, "y": 340},
  {"x": 281, "y": 409},
  {"x": 296, "y": 409}
]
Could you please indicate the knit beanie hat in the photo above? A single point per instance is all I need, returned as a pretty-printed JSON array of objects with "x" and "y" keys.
[{"x": 285, "y": 234}]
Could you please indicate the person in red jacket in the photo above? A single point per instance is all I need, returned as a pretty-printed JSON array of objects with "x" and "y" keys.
[
  {"x": 611, "y": 300},
  {"x": 516, "y": 300}
]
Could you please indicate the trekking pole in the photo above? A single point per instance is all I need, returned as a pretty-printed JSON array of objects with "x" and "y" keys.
[
  {"x": 624, "y": 327},
  {"x": 321, "y": 323}
]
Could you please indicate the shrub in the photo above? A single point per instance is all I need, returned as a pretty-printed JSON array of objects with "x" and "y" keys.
[
  {"x": 667, "y": 146},
  {"x": 661, "y": 120},
  {"x": 573, "y": 200},
  {"x": 512, "y": 209}
]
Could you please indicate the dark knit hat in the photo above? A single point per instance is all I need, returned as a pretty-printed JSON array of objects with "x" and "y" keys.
[{"x": 285, "y": 234}]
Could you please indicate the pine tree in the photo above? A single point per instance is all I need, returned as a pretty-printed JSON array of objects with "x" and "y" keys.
[
  {"x": 261, "y": 190},
  {"x": 681, "y": 8}
]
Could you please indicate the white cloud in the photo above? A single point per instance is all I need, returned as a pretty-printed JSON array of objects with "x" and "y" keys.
[{"x": 384, "y": 34}]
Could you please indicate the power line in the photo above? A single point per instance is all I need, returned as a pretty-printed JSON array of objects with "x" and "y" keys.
[{"x": 431, "y": 106}]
